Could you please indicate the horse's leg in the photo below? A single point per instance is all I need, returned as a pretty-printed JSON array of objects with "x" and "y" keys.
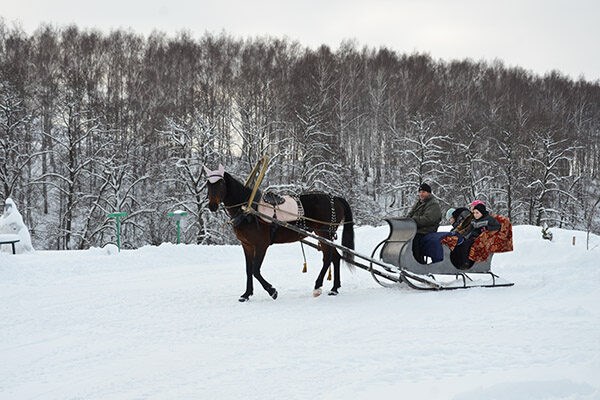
[
  {"x": 327, "y": 253},
  {"x": 259, "y": 256},
  {"x": 336, "y": 273},
  {"x": 249, "y": 255}
]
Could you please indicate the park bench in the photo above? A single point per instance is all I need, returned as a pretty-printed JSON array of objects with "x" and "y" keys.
[{"x": 9, "y": 239}]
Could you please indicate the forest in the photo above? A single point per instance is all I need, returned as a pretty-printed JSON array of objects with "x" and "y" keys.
[{"x": 95, "y": 122}]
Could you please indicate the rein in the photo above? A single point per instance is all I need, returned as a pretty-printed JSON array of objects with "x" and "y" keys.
[
  {"x": 236, "y": 215},
  {"x": 235, "y": 205}
]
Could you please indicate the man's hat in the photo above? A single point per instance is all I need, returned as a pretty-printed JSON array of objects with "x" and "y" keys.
[{"x": 425, "y": 187}]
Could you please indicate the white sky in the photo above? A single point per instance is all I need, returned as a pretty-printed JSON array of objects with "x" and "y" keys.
[{"x": 535, "y": 34}]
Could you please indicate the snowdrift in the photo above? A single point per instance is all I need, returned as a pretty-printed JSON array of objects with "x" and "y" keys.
[{"x": 164, "y": 323}]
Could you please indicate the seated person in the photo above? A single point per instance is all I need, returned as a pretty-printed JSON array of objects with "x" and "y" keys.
[
  {"x": 460, "y": 218},
  {"x": 431, "y": 243},
  {"x": 482, "y": 221},
  {"x": 427, "y": 214}
]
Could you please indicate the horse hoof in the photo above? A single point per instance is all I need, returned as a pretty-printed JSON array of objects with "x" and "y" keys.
[
  {"x": 273, "y": 293},
  {"x": 317, "y": 292},
  {"x": 332, "y": 292},
  {"x": 243, "y": 299}
]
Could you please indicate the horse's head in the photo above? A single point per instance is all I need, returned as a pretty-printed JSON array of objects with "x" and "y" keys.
[{"x": 217, "y": 189}]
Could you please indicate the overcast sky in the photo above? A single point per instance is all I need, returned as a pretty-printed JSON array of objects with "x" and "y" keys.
[{"x": 534, "y": 34}]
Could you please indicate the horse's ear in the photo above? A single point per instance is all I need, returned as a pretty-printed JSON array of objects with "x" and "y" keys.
[
  {"x": 206, "y": 170},
  {"x": 221, "y": 170}
]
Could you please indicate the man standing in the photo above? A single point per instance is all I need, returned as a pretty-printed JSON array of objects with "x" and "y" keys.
[{"x": 427, "y": 214}]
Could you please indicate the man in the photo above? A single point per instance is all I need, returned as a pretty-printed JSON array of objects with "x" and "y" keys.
[{"x": 427, "y": 214}]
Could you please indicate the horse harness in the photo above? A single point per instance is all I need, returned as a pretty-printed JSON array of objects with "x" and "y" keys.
[{"x": 272, "y": 200}]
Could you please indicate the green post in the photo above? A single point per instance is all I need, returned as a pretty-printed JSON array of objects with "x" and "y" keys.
[
  {"x": 117, "y": 216},
  {"x": 177, "y": 215}
]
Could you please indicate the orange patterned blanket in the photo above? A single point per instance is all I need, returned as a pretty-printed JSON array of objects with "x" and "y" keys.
[{"x": 488, "y": 242}]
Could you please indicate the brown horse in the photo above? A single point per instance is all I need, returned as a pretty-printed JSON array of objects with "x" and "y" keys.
[{"x": 323, "y": 214}]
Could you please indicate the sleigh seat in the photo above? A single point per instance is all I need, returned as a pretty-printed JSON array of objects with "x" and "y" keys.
[{"x": 397, "y": 249}]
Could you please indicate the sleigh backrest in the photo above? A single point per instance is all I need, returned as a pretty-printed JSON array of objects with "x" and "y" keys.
[{"x": 402, "y": 231}]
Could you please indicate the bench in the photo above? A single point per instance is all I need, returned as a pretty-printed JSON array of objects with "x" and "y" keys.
[{"x": 9, "y": 239}]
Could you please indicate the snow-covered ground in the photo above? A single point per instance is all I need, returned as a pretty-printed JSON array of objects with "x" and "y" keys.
[{"x": 164, "y": 323}]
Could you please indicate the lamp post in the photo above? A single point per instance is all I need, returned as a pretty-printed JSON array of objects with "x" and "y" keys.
[
  {"x": 177, "y": 216},
  {"x": 117, "y": 216}
]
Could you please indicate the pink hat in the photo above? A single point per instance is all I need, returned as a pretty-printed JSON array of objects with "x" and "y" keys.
[{"x": 475, "y": 202}]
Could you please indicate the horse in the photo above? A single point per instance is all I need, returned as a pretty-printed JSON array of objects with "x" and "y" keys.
[{"x": 323, "y": 213}]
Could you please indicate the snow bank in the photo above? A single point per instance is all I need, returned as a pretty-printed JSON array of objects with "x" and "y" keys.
[{"x": 164, "y": 322}]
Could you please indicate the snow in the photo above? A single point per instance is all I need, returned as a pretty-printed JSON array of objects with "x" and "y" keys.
[
  {"x": 164, "y": 323},
  {"x": 12, "y": 227}
]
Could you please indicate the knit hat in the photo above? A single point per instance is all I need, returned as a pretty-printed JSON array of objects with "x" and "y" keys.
[
  {"x": 425, "y": 187},
  {"x": 475, "y": 202},
  {"x": 458, "y": 211},
  {"x": 481, "y": 208},
  {"x": 450, "y": 212}
]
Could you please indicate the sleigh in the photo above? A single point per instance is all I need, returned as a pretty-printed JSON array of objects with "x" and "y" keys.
[{"x": 396, "y": 251}]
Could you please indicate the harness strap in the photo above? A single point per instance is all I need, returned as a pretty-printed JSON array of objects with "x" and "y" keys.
[
  {"x": 333, "y": 226},
  {"x": 300, "y": 215},
  {"x": 305, "y": 266}
]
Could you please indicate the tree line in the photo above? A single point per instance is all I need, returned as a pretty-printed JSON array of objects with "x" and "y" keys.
[{"x": 92, "y": 123}]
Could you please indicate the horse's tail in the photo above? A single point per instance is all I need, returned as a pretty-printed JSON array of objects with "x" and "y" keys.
[{"x": 348, "y": 231}]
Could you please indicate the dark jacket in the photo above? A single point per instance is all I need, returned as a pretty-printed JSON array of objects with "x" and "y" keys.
[
  {"x": 427, "y": 214},
  {"x": 462, "y": 222},
  {"x": 485, "y": 223}
]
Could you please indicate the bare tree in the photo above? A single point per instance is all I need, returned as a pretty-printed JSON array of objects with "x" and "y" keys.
[
  {"x": 421, "y": 149},
  {"x": 192, "y": 144},
  {"x": 91, "y": 123},
  {"x": 549, "y": 159},
  {"x": 15, "y": 154}
]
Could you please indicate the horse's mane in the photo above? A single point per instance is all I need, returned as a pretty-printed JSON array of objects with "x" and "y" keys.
[{"x": 238, "y": 190}]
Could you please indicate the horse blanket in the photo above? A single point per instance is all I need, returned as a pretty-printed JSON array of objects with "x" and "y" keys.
[
  {"x": 488, "y": 242},
  {"x": 290, "y": 210}
]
